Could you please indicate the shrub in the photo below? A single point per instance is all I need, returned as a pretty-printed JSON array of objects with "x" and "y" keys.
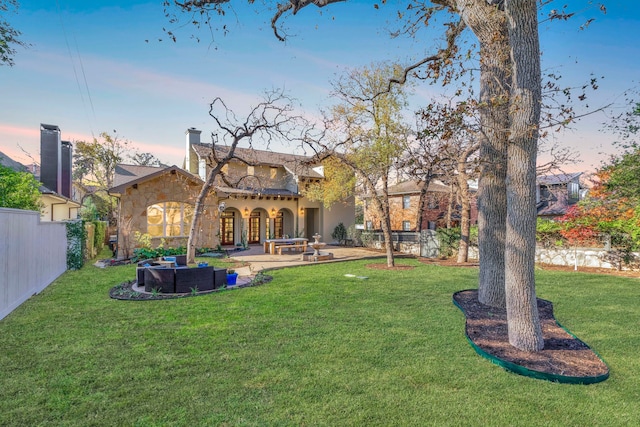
[
  {"x": 75, "y": 244},
  {"x": 449, "y": 241},
  {"x": 339, "y": 233}
]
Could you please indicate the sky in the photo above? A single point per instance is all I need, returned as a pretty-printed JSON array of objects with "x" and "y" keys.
[{"x": 100, "y": 66}]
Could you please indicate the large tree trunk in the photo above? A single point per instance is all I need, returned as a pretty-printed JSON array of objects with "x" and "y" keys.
[
  {"x": 523, "y": 320},
  {"x": 489, "y": 24}
]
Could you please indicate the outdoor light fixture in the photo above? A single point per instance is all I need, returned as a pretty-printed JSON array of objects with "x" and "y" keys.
[
  {"x": 246, "y": 211},
  {"x": 273, "y": 212},
  {"x": 301, "y": 211}
]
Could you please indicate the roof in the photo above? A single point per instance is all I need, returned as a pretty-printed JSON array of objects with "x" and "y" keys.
[
  {"x": 412, "y": 187},
  {"x": 294, "y": 163},
  {"x": 128, "y": 175},
  {"x": 45, "y": 191},
  {"x": 558, "y": 179},
  {"x": 10, "y": 163}
]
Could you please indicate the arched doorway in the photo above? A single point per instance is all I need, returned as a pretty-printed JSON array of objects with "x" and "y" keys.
[{"x": 283, "y": 224}]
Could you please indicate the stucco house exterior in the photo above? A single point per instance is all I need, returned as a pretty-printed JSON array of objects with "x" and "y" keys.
[
  {"x": 404, "y": 199},
  {"x": 260, "y": 199}
]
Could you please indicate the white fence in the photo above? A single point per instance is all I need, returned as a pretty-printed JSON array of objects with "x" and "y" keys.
[{"x": 32, "y": 255}]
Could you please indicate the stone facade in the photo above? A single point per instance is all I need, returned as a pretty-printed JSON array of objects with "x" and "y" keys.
[{"x": 166, "y": 187}]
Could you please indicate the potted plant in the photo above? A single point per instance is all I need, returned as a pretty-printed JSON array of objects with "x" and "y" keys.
[{"x": 232, "y": 276}]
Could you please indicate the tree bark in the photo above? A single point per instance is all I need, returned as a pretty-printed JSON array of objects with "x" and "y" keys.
[
  {"x": 465, "y": 212},
  {"x": 197, "y": 213},
  {"x": 422, "y": 204},
  {"x": 523, "y": 320},
  {"x": 386, "y": 223},
  {"x": 488, "y": 23}
]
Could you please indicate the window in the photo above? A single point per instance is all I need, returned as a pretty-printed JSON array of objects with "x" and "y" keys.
[
  {"x": 369, "y": 225},
  {"x": 406, "y": 225},
  {"x": 251, "y": 170},
  {"x": 406, "y": 202},
  {"x": 278, "y": 224},
  {"x": 227, "y": 231},
  {"x": 273, "y": 173},
  {"x": 169, "y": 219},
  {"x": 254, "y": 227}
]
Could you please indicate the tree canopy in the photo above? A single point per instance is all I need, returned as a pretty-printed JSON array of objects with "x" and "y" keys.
[
  {"x": 9, "y": 36},
  {"x": 367, "y": 134},
  {"x": 19, "y": 190}
]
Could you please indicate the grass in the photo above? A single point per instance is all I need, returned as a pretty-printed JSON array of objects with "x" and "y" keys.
[{"x": 312, "y": 347}]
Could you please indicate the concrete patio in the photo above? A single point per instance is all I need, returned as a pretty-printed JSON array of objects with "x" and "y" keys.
[{"x": 258, "y": 260}]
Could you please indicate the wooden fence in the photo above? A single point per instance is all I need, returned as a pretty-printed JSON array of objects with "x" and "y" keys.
[{"x": 32, "y": 255}]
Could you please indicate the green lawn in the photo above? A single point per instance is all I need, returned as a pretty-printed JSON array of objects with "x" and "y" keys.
[{"x": 312, "y": 347}]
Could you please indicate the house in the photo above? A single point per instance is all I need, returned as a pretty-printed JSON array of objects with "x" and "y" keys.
[
  {"x": 260, "y": 199},
  {"x": 404, "y": 200},
  {"x": 556, "y": 193},
  {"x": 55, "y": 176}
]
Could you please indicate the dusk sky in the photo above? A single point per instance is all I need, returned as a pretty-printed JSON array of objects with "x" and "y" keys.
[{"x": 99, "y": 66}]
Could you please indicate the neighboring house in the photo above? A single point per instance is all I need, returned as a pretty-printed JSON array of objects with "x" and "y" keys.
[
  {"x": 261, "y": 199},
  {"x": 55, "y": 206},
  {"x": 556, "y": 193},
  {"x": 55, "y": 175},
  {"x": 404, "y": 199}
]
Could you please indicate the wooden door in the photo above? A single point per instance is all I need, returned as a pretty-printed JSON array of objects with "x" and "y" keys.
[
  {"x": 254, "y": 227},
  {"x": 226, "y": 228}
]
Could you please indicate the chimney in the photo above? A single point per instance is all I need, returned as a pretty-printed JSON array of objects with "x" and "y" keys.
[
  {"x": 66, "y": 166},
  {"x": 191, "y": 160},
  {"x": 56, "y": 160},
  {"x": 50, "y": 157}
]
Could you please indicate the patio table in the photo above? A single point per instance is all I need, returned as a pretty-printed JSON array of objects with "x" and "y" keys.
[{"x": 270, "y": 244}]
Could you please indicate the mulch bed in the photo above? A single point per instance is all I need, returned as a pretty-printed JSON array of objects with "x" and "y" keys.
[{"x": 563, "y": 354}]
